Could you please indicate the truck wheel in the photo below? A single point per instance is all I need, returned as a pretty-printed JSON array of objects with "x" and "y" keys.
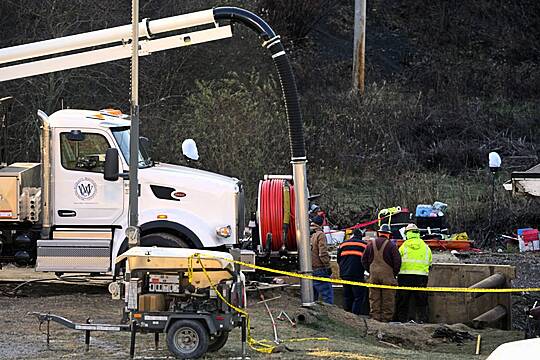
[
  {"x": 163, "y": 240},
  {"x": 187, "y": 339},
  {"x": 218, "y": 341}
]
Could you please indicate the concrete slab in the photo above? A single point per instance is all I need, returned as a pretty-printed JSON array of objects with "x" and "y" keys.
[{"x": 452, "y": 308}]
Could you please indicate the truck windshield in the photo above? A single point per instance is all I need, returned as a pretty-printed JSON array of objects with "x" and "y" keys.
[{"x": 121, "y": 135}]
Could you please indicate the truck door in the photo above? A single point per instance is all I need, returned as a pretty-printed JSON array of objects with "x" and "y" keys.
[{"x": 81, "y": 195}]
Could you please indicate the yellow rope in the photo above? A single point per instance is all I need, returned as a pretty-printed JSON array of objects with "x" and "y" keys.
[
  {"x": 377, "y": 286},
  {"x": 262, "y": 346}
]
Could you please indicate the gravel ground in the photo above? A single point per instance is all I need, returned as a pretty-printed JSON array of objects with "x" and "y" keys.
[{"x": 351, "y": 337}]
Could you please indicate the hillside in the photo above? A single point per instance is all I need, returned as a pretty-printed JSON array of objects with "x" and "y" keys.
[{"x": 447, "y": 82}]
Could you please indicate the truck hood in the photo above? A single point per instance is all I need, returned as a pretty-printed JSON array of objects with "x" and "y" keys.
[{"x": 168, "y": 173}]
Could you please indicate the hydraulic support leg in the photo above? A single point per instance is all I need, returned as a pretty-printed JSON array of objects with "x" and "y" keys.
[{"x": 132, "y": 340}]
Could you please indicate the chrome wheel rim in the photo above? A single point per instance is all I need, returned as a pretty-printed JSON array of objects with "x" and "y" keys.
[{"x": 186, "y": 339}]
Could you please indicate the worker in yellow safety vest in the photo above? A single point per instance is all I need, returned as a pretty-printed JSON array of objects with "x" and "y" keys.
[{"x": 415, "y": 264}]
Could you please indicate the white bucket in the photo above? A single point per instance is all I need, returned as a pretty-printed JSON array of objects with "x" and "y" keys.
[
  {"x": 338, "y": 237},
  {"x": 522, "y": 247},
  {"x": 328, "y": 234},
  {"x": 536, "y": 245}
]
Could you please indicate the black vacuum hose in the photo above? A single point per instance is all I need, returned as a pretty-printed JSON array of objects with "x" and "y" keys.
[{"x": 272, "y": 42}]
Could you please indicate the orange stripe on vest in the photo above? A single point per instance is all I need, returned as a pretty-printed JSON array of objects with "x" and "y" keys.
[
  {"x": 352, "y": 243},
  {"x": 352, "y": 252}
]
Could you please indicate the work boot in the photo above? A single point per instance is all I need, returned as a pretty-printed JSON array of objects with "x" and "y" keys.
[{"x": 422, "y": 315}]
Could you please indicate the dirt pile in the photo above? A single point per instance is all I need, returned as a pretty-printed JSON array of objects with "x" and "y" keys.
[
  {"x": 403, "y": 335},
  {"x": 350, "y": 336}
]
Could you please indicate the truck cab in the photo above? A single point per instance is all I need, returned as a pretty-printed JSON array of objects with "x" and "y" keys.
[{"x": 84, "y": 216}]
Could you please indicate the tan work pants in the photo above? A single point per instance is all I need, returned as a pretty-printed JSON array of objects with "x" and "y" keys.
[{"x": 382, "y": 302}]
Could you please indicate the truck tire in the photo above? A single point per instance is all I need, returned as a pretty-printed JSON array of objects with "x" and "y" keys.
[
  {"x": 187, "y": 339},
  {"x": 218, "y": 341},
  {"x": 163, "y": 240}
]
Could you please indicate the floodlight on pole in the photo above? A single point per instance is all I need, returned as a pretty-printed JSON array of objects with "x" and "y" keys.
[
  {"x": 494, "y": 165},
  {"x": 494, "y": 161}
]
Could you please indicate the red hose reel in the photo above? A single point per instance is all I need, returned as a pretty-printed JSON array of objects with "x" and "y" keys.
[{"x": 276, "y": 214}]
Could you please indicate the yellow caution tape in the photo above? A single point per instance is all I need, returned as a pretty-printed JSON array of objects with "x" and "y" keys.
[
  {"x": 262, "y": 346},
  {"x": 378, "y": 286},
  {"x": 267, "y": 347}
]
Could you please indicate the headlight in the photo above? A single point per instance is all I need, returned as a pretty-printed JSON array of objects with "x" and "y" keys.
[{"x": 224, "y": 231}]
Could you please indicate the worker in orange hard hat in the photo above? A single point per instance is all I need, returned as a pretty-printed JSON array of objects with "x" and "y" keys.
[
  {"x": 381, "y": 259},
  {"x": 415, "y": 264}
]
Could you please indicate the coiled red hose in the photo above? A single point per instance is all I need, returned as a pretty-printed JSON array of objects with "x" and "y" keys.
[{"x": 271, "y": 214}]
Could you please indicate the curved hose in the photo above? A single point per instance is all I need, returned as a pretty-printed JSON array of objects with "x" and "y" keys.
[{"x": 272, "y": 42}]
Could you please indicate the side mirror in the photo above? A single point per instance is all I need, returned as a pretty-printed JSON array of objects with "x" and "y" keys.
[
  {"x": 111, "y": 172},
  {"x": 189, "y": 149},
  {"x": 145, "y": 143},
  {"x": 75, "y": 135}
]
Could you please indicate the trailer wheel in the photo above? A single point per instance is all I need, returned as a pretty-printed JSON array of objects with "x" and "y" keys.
[
  {"x": 163, "y": 240},
  {"x": 187, "y": 339},
  {"x": 218, "y": 341}
]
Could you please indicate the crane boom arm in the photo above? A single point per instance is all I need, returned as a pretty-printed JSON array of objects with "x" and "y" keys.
[
  {"x": 118, "y": 35},
  {"x": 111, "y": 53}
]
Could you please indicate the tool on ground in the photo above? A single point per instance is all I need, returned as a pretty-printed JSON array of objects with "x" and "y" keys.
[
  {"x": 478, "y": 341},
  {"x": 456, "y": 336},
  {"x": 274, "y": 325},
  {"x": 284, "y": 316},
  {"x": 263, "y": 301}
]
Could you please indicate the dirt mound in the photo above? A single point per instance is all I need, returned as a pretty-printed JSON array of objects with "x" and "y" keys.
[{"x": 404, "y": 335}]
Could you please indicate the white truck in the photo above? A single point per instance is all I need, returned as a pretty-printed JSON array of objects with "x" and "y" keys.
[
  {"x": 87, "y": 213},
  {"x": 71, "y": 211}
]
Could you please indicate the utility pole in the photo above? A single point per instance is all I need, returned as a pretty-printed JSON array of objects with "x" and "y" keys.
[
  {"x": 133, "y": 233},
  {"x": 359, "y": 46}
]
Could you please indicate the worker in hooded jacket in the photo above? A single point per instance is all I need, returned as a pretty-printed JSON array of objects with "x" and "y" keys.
[
  {"x": 415, "y": 264},
  {"x": 320, "y": 261},
  {"x": 381, "y": 259}
]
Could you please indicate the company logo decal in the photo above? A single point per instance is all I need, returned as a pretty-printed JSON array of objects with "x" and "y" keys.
[{"x": 85, "y": 189}]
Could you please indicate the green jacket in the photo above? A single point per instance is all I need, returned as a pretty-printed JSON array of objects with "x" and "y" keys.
[{"x": 415, "y": 256}]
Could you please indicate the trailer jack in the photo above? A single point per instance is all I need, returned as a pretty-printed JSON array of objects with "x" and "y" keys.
[
  {"x": 87, "y": 327},
  {"x": 133, "y": 327}
]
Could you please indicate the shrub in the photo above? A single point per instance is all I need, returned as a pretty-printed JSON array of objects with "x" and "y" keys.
[{"x": 239, "y": 126}]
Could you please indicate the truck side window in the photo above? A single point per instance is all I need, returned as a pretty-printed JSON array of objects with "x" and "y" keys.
[{"x": 84, "y": 155}]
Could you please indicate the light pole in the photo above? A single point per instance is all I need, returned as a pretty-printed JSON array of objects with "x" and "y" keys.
[
  {"x": 132, "y": 232},
  {"x": 494, "y": 166}
]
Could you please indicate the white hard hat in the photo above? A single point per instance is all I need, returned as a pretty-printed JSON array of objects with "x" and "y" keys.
[{"x": 411, "y": 227}]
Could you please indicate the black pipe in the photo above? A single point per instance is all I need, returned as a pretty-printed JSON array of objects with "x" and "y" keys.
[
  {"x": 272, "y": 42},
  {"x": 246, "y": 18}
]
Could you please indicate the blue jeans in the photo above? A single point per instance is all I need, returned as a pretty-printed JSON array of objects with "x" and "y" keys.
[{"x": 323, "y": 288}]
